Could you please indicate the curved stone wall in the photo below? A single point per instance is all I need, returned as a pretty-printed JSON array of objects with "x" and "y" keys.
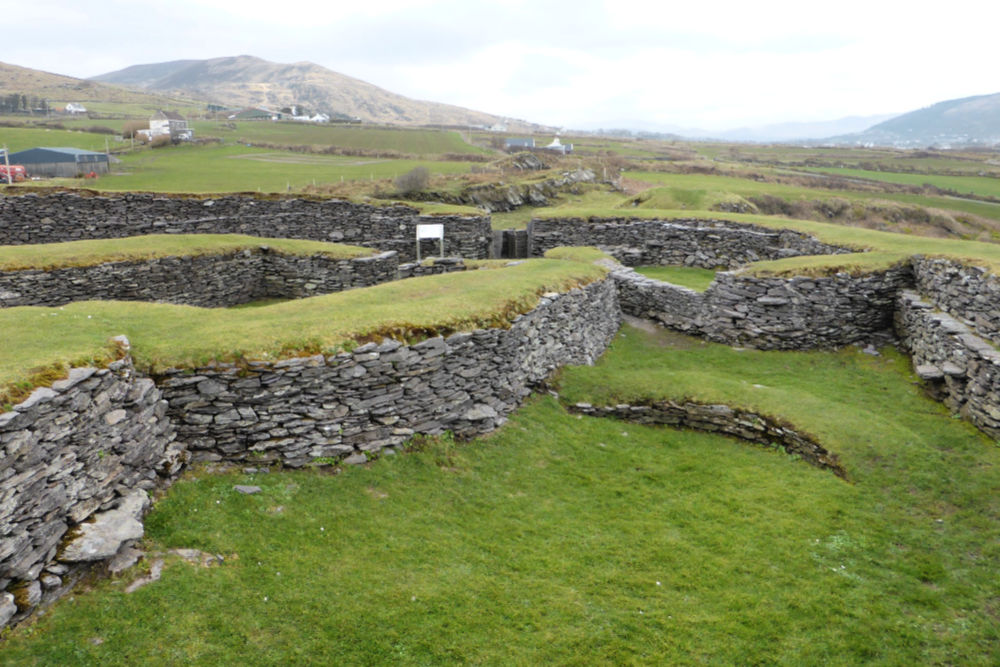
[
  {"x": 67, "y": 216},
  {"x": 356, "y": 404},
  {"x": 78, "y": 455},
  {"x": 969, "y": 293},
  {"x": 206, "y": 280},
  {"x": 723, "y": 419},
  {"x": 707, "y": 244},
  {"x": 771, "y": 313}
]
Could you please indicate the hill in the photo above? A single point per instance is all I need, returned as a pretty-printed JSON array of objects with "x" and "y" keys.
[
  {"x": 968, "y": 121},
  {"x": 57, "y": 88},
  {"x": 247, "y": 81}
]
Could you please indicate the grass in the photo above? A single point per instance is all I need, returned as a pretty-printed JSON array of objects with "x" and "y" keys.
[
  {"x": 887, "y": 248},
  {"x": 975, "y": 185},
  {"x": 568, "y": 540},
  {"x": 50, "y": 256},
  {"x": 164, "y": 335},
  {"x": 685, "y": 276},
  {"x": 365, "y": 137}
]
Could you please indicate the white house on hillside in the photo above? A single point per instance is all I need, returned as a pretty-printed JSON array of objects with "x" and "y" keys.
[{"x": 168, "y": 123}]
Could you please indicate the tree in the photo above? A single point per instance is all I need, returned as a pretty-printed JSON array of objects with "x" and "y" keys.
[{"x": 413, "y": 180}]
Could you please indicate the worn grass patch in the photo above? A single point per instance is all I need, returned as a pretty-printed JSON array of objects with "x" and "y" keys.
[
  {"x": 685, "y": 276},
  {"x": 165, "y": 335},
  {"x": 569, "y": 540},
  {"x": 47, "y": 256}
]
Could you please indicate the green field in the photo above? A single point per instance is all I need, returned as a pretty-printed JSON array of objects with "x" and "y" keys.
[
  {"x": 685, "y": 276},
  {"x": 234, "y": 168},
  {"x": 974, "y": 185},
  {"x": 568, "y": 540}
]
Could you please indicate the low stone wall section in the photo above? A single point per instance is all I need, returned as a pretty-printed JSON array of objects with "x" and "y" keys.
[
  {"x": 723, "y": 419},
  {"x": 771, "y": 313},
  {"x": 206, "y": 280},
  {"x": 969, "y": 293},
  {"x": 52, "y": 218},
  {"x": 77, "y": 461},
  {"x": 960, "y": 367},
  {"x": 354, "y": 405},
  {"x": 702, "y": 243}
]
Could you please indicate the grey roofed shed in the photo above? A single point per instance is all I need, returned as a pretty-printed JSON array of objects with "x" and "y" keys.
[{"x": 64, "y": 162}]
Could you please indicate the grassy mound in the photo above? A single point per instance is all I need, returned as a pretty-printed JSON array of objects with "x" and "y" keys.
[
  {"x": 40, "y": 342},
  {"x": 48, "y": 256},
  {"x": 566, "y": 540}
]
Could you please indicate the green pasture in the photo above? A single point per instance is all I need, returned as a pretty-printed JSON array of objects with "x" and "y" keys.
[
  {"x": 368, "y": 138},
  {"x": 570, "y": 540},
  {"x": 39, "y": 342},
  {"x": 703, "y": 184},
  {"x": 48, "y": 256},
  {"x": 235, "y": 168},
  {"x": 974, "y": 185},
  {"x": 20, "y": 138}
]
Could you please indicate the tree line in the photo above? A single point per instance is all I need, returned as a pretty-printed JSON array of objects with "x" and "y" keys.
[{"x": 20, "y": 103}]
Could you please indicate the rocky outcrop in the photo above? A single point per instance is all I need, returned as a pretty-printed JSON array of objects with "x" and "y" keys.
[{"x": 499, "y": 197}]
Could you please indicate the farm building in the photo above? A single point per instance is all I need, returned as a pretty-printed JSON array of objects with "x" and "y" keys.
[
  {"x": 62, "y": 162},
  {"x": 519, "y": 143}
]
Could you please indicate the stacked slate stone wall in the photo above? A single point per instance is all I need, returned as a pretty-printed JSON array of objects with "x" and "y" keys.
[
  {"x": 206, "y": 280},
  {"x": 357, "y": 404},
  {"x": 771, "y": 313},
  {"x": 432, "y": 267},
  {"x": 960, "y": 367},
  {"x": 77, "y": 461},
  {"x": 53, "y": 218},
  {"x": 969, "y": 293},
  {"x": 702, "y": 243},
  {"x": 715, "y": 418}
]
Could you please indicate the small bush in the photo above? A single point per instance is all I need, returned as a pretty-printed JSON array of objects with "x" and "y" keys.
[
  {"x": 160, "y": 141},
  {"x": 413, "y": 180},
  {"x": 132, "y": 127}
]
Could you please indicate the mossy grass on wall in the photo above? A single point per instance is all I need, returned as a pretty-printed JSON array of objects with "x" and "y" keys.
[
  {"x": 888, "y": 248},
  {"x": 49, "y": 256},
  {"x": 164, "y": 335},
  {"x": 566, "y": 540}
]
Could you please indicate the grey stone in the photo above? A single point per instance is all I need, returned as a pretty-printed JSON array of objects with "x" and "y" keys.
[
  {"x": 7, "y": 608},
  {"x": 245, "y": 489}
]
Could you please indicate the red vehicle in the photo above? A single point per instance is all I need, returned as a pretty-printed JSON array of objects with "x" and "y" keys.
[{"x": 15, "y": 173}]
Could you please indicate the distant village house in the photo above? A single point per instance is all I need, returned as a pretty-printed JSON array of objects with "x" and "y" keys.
[
  {"x": 74, "y": 109},
  {"x": 519, "y": 144}
]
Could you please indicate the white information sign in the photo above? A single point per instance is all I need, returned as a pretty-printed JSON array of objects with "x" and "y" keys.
[
  {"x": 430, "y": 231},
  {"x": 433, "y": 231}
]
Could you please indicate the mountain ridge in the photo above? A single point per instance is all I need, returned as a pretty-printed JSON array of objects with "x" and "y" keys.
[{"x": 248, "y": 81}]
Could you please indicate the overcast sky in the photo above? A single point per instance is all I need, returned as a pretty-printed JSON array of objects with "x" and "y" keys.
[{"x": 581, "y": 64}]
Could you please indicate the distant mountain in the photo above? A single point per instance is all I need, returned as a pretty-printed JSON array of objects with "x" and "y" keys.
[
  {"x": 969, "y": 121},
  {"x": 59, "y": 89},
  {"x": 803, "y": 131},
  {"x": 246, "y": 81}
]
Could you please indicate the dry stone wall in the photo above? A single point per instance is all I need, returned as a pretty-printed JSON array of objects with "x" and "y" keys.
[
  {"x": 717, "y": 418},
  {"x": 357, "y": 404},
  {"x": 53, "y": 218},
  {"x": 702, "y": 243},
  {"x": 77, "y": 461},
  {"x": 960, "y": 367},
  {"x": 771, "y": 313},
  {"x": 208, "y": 280},
  {"x": 969, "y": 293}
]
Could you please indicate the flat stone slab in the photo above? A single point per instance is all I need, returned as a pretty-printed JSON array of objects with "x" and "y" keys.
[{"x": 103, "y": 536}]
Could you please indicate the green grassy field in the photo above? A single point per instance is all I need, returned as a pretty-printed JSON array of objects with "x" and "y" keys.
[
  {"x": 975, "y": 185},
  {"x": 401, "y": 140},
  {"x": 570, "y": 540},
  {"x": 701, "y": 185},
  {"x": 231, "y": 168},
  {"x": 19, "y": 139}
]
